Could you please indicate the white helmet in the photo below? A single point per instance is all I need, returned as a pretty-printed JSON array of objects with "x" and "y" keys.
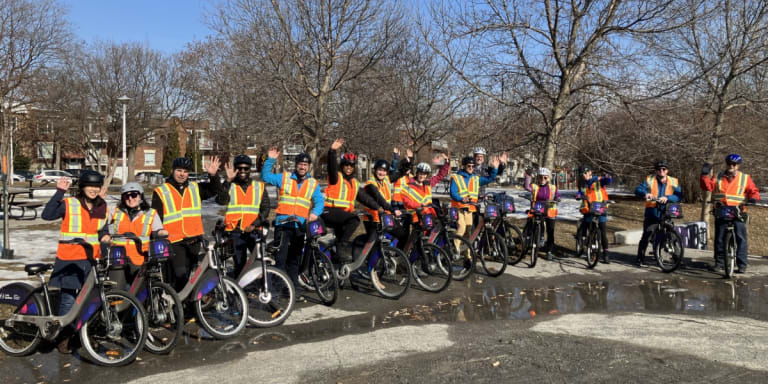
[
  {"x": 545, "y": 172},
  {"x": 479, "y": 151},
  {"x": 423, "y": 168}
]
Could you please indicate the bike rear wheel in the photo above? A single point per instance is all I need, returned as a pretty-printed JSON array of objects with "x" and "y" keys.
[
  {"x": 119, "y": 343},
  {"x": 730, "y": 254},
  {"x": 432, "y": 269},
  {"x": 324, "y": 278},
  {"x": 21, "y": 339},
  {"x": 533, "y": 243},
  {"x": 391, "y": 275},
  {"x": 223, "y": 312},
  {"x": 515, "y": 244},
  {"x": 494, "y": 254},
  {"x": 462, "y": 258},
  {"x": 166, "y": 324},
  {"x": 668, "y": 250},
  {"x": 269, "y": 308},
  {"x": 592, "y": 247}
]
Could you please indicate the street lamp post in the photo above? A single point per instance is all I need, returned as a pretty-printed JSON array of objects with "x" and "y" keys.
[{"x": 124, "y": 101}]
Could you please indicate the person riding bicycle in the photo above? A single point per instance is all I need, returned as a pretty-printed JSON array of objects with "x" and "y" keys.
[
  {"x": 659, "y": 186},
  {"x": 133, "y": 214},
  {"x": 248, "y": 208},
  {"x": 730, "y": 188},
  {"x": 380, "y": 189},
  {"x": 465, "y": 191},
  {"x": 418, "y": 193},
  {"x": 481, "y": 169},
  {"x": 592, "y": 188},
  {"x": 340, "y": 197},
  {"x": 299, "y": 199},
  {"x": 84, "y": 217},
  {"x": 178, "y": 201},
  {"x": 544, "y": 191}
]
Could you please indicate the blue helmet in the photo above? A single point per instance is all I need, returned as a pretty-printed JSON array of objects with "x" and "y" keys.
[{"x": 733, "y": 159}]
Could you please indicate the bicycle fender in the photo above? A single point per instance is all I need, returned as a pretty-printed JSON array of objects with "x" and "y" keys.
[
  {"x": 249, "y": 276},
  {"x": 205, "y": 284},
  {"x": 21, "y": 295}
]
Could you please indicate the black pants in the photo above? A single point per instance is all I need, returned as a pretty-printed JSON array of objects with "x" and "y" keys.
[
  {"x": 740, "y": 229},
  {"x": 344, "y": 223},
  {"x": 643, "y": 245},
  {"x": 288, "y": 257},
  {"x": 603, "y": 232},
  {"x": 186, "y": 254},
  {"x": 243, "y": 243},
  {"x": 398, "y": 232}
]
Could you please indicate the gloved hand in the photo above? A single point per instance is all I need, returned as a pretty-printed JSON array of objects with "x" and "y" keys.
[
  {"x": 751, "y": 201},
  {"x": 529, "y": 171},
  {"x": 706, "y": 168}
]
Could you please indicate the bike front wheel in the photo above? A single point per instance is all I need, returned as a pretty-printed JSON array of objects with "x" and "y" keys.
[
  {"x": 462, "y": 256},
  {"x": 432, "y": 269},
  {"x": 668, "y": 251},
  {"x": 391, "y": 274},
  {"x": 493, "y": 256},
  {"x": 271, "y": 306},
  {"x": 223, "y": 312},
  {"x": 730, "y": 254},
  {"x": 592, "y": 248},
  {"x": 515, "y": 243},
  {"x": 324, "y": 278},
  {"x": 116, "y": 333},
  {"x": 165, "y": 319}
]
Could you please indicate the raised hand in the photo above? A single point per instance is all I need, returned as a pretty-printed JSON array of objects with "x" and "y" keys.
[
  {"x": 495, "y": 162},
  {"x": 103, "y": 192},
  {"x": 503, "y": 158},
  {"x": 337, "y": 144},
  {"x": 409, "y": 153},
  {"x": 272, "y": 153},
  {"x": 230, "y": 169},
  {"x": 213, "y": 166},
  {"x": 396, "y": 151},
  {"x": 63, "y": 183}
]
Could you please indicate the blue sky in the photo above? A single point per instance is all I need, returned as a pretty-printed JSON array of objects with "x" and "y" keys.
[{"x": 166, "y": 25}]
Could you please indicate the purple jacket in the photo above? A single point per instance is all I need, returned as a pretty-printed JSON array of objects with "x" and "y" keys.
[{"x": 544, "y": 192}]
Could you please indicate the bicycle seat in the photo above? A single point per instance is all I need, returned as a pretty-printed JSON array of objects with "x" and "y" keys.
[{"x": 34, "y": 269}]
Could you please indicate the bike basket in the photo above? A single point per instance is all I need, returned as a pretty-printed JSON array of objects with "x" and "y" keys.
[
  {"x": 675, "y": 211},
  {"x": 491, "y": 211},
  {"x": 727, "y": 212},
  {"x": 539, "y": 208},
  {"x": 508, "y": 206},
  {"x": 388, "y": 222},
  {"x": 428, "y": 222},
  {"x": 116, "y": 256},
  {"x": 597, "y": 208},
  {"x": 317, "y": 229},
  {"x": 160, "y": 249},
  {"x": 453, "y": 214}
]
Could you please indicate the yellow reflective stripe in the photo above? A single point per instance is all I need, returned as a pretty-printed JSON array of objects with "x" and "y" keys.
[
  {"x": 75, "y": 218},
  {"x": 169, "y": 203}
]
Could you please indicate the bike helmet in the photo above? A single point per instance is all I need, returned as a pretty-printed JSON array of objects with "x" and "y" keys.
[
  {"x": 585, "y": 168},
  {"x": 733, "y": 159},
  {"x": 131, "y": 187},
  {"x": 423, "y": 168},
  {"x": 183, "y": 163},
  {"x": 660, "y": 164},
  {"x": 479, "y": 151},
  {"x": 242, "y": 160},
  {"x": 381, "y": 164},
  {"x": 348, "y": 159},
  {"x": 466, "y": 160},
  {"x": 545, "y": 172},
  {"x": 90, "y": 178},
  {"x": 303, "y": 158}
]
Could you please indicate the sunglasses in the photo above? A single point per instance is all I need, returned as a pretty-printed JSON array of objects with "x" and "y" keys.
[
  {"x": 131, "y": 195},
  {"x": 662, "y": 169},
  {"x": 470, "y": 165},
  {"x": 244, "y": 169}
]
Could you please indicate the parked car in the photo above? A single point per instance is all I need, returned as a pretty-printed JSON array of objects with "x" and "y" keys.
[
  {"x": 18, "y": 177},
  {"x": 143, "y": 177},
  {"x": 76, "y": 172},
  {"x": 51, "y": 175}
]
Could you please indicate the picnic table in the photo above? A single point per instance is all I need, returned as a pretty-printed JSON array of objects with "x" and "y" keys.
[{"x": 23, "y": 205}]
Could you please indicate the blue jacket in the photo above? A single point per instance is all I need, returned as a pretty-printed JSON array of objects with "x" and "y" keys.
[
  {"x": 644, "y": 188},
  {"x": 276, "y": 179},
  {"x": 484, "y": 180}
]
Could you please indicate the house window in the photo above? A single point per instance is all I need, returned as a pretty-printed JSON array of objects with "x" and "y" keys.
[
  {"x": 45, "y": 151},
  {"x": 149, "y": 158}
]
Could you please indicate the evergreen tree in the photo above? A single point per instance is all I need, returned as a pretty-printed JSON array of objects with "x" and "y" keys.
[{"x": 171, "y": 152}]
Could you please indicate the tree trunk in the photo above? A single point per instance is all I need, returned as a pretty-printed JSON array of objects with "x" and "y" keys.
[
  {"x": 714, "y": 146},
  {"x": 131, "y": 159}
]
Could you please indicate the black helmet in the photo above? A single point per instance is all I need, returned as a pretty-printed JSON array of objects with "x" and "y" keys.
[
  {"x": 584, "y": 168},
  {"x": 242, "y": 159},
  {"x": 660, "y": 164},
  {"x": 183, "y": 163},
  {"x": 90, "y": 178},
  {"x": 467, "y": 160},
  {"x": 381, "y": 164},
  {"x": 303, "y": 158}
]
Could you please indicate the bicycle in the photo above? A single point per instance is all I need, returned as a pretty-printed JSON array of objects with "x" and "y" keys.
[
  {"x": 112, "y": 323},
  {"x": 668, "y": 246},
  {"x": 444, "y": 235},
  {"x": 488, "y": 241},
  {"x": 165, "y": 314},
  {"x": 729, "y": 214},
  {"x": 591, "y": 241},
  {"x": 534, "y": 230},
  {"x": 270, "y": 300},
  {"x": 503, "y": 225},
  {"x": 430, "y": 264}
]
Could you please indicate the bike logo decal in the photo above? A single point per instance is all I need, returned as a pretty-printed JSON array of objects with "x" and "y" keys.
[
  {"x": 81, "y": 296},
  {"x": 315, "y": 228},
  {"x": 196, "y": 275}
]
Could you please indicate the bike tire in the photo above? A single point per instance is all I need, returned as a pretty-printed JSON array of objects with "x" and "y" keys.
[
  {"x": 324, "y": 278},
  {"x": 496, "y": 246},
  {"x": 391, "y": 275},
  {"x": 730, "y": 254},
  {"x": 270, "y": 309},
  {"x": 164, "y": 329},
  {"x": 533, "y": 244},
  {"x": 463, "y": 258},
  {"x": 435, "y": 276},
  {"x": 514, "y": 238},
  {"x": 223, "y": 312},
  {"x": 669, "y": 250},
  {"x": 592, "y": 248},
  {"x": 100, "y": 346},
  {"x": 23, "y": 338}
]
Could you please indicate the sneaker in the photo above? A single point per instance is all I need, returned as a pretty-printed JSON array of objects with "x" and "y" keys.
[
  {"x": 639, "y": 261},
  {"x": 548, "y": 256},
  {"x": 64, "y": 346},
  {"x": 742, "y": 269}
]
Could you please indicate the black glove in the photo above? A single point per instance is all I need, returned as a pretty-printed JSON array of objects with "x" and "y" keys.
[
  {"x": 529, "y": 171},
  {"x": 706, "y": 168},
  {"x": 751, "y": 201}
]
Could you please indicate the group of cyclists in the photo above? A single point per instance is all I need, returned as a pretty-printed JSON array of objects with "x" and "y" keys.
[{"x": 397, "y": 188}]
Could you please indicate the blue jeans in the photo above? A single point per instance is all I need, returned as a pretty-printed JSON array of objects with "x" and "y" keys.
[{"x": 67, "y": 301}]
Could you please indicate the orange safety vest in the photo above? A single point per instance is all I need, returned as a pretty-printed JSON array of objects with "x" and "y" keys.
[
  {"x": 385, "y": 189},
  {"x": 669, "y": 189},
  {"x": 420, "y": 197},
  {"x": 140, "y": 226},
  {"x": 552, "y": 205},
  {"x": 397, "y": 194},
  {"x": 292, "y": 201},
  {"x": 243, "y": 207},
  {"x": 78, "y": 224},
  {"x": 595, "y": 193},
  {"x": 730, "y": 193},
  {"x": 472, "y": 191},
  {"x": 182, "y": 215},
  {"x": 342, "y": 194}
]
